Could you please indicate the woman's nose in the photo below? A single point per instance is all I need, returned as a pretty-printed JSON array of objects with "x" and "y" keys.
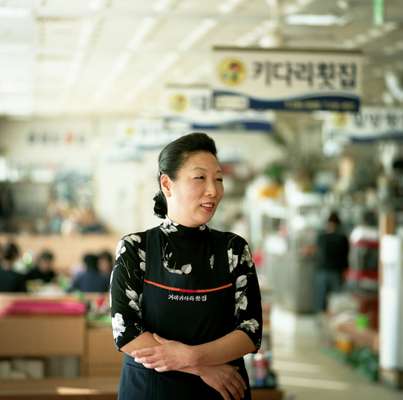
[{"x": 211, "y": 189}]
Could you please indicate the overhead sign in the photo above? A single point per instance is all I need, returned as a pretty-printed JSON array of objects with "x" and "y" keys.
[
  {"x": 369, "y": 125},
  {"x": 293, "y": 80},
  {"x": 186, "y": 99},
  {"x": 224, "y": 121}
]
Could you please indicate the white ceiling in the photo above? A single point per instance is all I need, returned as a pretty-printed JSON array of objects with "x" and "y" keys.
[{"x": 114, "y": 56}]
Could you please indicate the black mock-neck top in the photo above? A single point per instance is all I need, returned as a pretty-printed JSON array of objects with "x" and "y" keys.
[{"x": 187, "y": 284}]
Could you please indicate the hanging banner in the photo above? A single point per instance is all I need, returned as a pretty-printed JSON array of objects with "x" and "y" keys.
[
  {"x": 186, "y": 99},
  {"x": 371, "y": 124},
  {"x": 293, "y": 80},
  {"x": 239, "y": 122}
]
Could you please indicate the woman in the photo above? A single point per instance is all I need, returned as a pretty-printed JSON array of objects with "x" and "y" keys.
[{"x": 185, "y": 299}]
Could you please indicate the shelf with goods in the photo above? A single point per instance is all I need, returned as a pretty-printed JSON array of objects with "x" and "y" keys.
[
  {"x": 350, "y": 329},
  {"x": 262, "y": 377}
]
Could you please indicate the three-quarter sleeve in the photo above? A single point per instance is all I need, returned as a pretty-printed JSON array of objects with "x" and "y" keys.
[
  {"x": 126, "y": 290},
  {"x": 248, "y": 306}
]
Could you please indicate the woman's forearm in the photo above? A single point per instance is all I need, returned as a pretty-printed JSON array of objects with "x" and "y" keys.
[
  {"x": 220, "y": 351},
  {"x": 146, "y": 339},
  {"x": 166, "y": 355}
]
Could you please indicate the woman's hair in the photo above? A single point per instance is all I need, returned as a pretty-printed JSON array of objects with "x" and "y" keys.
[
  {"x": 90, "y": 261},
  {"x": 173, "y": 156},
  {"x": 334, "y": 218},
  {"x": 105, "y": 254},
  {"x": 11, "y": 251}
]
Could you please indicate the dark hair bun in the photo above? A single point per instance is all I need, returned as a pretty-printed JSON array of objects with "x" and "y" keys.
[{"x": 160, "y": 206}]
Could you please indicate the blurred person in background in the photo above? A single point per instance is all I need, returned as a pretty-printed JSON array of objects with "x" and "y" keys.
[
  {"x": 43, "y": 270},
  {"x": 10, "y": 280},
  {"x": 185, "y": 300},
  {"x": 90, "y": 280},
  {"x": 332, "y": 260},
  {"x": 105, "y": 263}
]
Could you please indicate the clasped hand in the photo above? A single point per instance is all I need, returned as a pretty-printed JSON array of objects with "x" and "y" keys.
[
  {"x": 172, "y": 355},
  {"x": 169, "y": 356}
]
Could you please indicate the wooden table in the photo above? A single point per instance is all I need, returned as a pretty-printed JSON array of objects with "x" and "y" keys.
[
  {"x": 84, "y": 389},
  {"x": 42, "y": 336}
]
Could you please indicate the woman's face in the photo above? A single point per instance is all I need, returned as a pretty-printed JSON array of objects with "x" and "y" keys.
[{"x": 195, "y": 194}]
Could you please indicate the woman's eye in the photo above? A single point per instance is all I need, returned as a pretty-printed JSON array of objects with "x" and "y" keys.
[
  {"x": 220, "y": 179},
  {"x": 199, "y": 177}
]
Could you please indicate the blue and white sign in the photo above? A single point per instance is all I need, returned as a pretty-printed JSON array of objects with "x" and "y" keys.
[
  {"x": 186, "y": 99},
  {"x": 293, "y": 80},
  {"x": 241, "y": 122},
  {"x": 371, "y": 124}
]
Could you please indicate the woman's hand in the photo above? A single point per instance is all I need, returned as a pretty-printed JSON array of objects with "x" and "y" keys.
[
  {"x": 225, "y": 379},
  {"x": 169, "y": 356}
]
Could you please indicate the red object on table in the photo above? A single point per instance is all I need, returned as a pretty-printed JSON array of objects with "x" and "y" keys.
[{"x": 44, "y": 307}]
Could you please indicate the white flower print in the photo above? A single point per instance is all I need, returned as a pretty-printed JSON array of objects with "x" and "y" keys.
[
  {"x": 241, "y": 302},
  {"x": 134, "y": 302},
  {"x": 138, "y": 327},
  {"x": 120, "y": 249},
  {"x": 250, "y": 325},
  {"x": 186, "y": 269},
  {"x": 232, "y": 260},
  {"x": 131, "y": 294},
  {"x": 132, "y": 238},
  {"x": 241, "y": 281},
  {"x": 212, "y": 261},
  {"x": 246, "y": 256},
  {"x": 168, "y": 226},
  {"x": 118, "y": 325},
  {"x": 142, "y": 256}
]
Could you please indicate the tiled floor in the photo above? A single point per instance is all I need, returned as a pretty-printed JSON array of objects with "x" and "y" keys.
[{"x": 306, "y": 372}]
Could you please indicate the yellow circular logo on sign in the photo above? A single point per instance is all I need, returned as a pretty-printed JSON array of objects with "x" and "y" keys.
[
  {"x": 178, "y": 102},
  {"x": 231, "y": 71},
  {"x": 339, "y": 120}
]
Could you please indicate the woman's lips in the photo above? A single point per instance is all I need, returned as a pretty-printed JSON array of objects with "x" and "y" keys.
[{"x": 208, "y": 206}]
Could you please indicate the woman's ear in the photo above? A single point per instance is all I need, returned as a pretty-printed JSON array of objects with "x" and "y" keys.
[{"x": 166, "y": 183}]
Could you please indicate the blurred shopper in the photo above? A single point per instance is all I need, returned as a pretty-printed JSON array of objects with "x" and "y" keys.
[
  {"x": 185, "y": 299},
  {"x": 43, "y": 270},
  {"x": 90, "y": 280},
  {"x": 10, "y": 280},
  {"x": 105, "y": 263},
  {"x": 332, "y": 260}
]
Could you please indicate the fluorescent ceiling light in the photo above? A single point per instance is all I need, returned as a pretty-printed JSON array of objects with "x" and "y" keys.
[
  {"x": 161, "y": 5},
  {"x": 17, "y": 12},
  {"x": 343, "y": 4},
  {"x": 85, "y": 35},
  {"x": 253, "y": 36},
  {"x": 194, "y": 36},
  {"x": 229, "y": 6},
  {"x": 314, "y": 20},
  {"x": 15, "y": 48},
  {"x": 143, "y": 30},
  {"x": 96, "y": 5},
  {"x": 118, "y": 67},
  {"x": 166, "y": 63},
  {"x": 290, "y": 8},
  {"x": 269, "y": 41}
]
